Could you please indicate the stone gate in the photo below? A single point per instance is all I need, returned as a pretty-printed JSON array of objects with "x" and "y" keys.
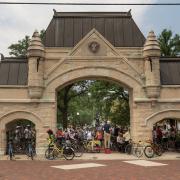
[{"x": 77, "y": 46}]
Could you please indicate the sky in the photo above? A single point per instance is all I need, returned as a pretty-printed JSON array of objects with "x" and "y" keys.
[{"x": 16, "y": 21}]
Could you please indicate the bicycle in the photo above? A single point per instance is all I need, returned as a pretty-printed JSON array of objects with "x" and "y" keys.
[
  {"x": 134, "y": 148},
  {"x": 77, "y": 146},
  {"x": 92, "y": 146},
  {"x": 55, "y": 151},
  {"x": 30, "y": 152},
  {"x": 152, "y": 149}
]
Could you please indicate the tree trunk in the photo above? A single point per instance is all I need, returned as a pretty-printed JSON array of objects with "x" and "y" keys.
[{"x": 65, "y": 118}]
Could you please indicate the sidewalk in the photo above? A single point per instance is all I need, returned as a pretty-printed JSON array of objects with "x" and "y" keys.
[{"x": 103, "y": 156}]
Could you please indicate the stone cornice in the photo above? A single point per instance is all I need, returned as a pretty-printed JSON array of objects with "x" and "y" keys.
[
  {"x": 14, "y": 86},
  {"x": 145, "y": 100},
  {"x": 27, "y": 101}
]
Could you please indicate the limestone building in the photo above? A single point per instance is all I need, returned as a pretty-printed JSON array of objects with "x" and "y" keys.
[{"x": 79, "y": 46}]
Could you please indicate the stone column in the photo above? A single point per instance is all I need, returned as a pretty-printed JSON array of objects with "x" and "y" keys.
[
  {"x": 36, "y": 67},
  {"x": 151, "y": 53}
]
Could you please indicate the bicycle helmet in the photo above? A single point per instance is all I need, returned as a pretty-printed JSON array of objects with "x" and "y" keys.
[{"x": 49, "y": 131}]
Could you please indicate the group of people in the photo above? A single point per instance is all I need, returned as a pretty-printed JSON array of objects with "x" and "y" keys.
[
  {"x": 105, "y": 134},
  {"x": 21, "y": 136},
  {"x": 162, "y": 135}
]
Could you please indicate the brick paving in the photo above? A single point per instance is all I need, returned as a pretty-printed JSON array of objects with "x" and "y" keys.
[{"x": 114, "y": 170}]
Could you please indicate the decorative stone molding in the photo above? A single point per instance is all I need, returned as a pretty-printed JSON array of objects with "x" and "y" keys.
[
  {"x": 153, "y": 91},
  {"x": 36, "y": 48},
  {"x": 151, "y": 46},
  {"x": 35, "y": 92},
  {"x": 158, "y": 116}
]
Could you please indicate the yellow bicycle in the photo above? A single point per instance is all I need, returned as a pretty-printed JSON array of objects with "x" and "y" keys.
[
  {"x": 92, "y": 146},
  {"x": 55, "y": 151}
]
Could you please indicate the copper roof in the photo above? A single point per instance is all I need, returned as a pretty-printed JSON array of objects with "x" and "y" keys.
[
  {"x": 67, "y": 29},
  {"x": 170, "y": 70},
  {"x": 13, "y": 71}
]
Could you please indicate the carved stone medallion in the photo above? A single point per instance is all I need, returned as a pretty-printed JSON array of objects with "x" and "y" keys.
[{"x": 94, "y": 46}]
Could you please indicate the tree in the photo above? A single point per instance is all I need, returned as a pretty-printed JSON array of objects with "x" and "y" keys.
[
  {"x": 111, "y": 101},
  {"x": 169, "y": 44},
  {"x": 65, "y": 96},
  {"x": 19, "y": 49}
]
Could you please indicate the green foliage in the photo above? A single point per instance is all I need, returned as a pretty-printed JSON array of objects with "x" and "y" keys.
[
  {"x": 169, "y": 44},
  {"x": 91, "y": 99},
  {"x": 111, "y": 102},
  {"x": 19, "y": 49},
  {"x": 66, "y": 96}
]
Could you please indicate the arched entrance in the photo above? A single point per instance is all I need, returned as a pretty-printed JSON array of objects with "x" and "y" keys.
[
  {"x": 165, "y": 127},
  {"x": 59, "y": 80},
  {"x": 20, "y": 131},
  {"x": 9, "y": 122}
]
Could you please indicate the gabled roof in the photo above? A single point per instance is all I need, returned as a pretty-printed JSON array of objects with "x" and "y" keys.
[
  {"x": 67, "y": 29},
  {"x": 13, "y": 71}
]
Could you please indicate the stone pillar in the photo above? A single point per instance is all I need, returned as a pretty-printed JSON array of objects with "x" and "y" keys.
[
  {"x": 36, "y": 67},
  {"x": 151, "y": 53}
]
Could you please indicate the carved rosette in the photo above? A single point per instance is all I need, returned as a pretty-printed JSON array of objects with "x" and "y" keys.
[{"x": 94, "y": 46}]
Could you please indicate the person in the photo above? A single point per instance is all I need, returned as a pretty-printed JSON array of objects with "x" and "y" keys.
[
  {"x": 59, "y": 136},
  {"x": 28, "y": 134},
  {"x": 120, "y": 142},
  {"x": 159, "y": 135},
  {"x": 107, "y": 135},
  {"x": 89, "y": 135},
  {"x": 127, "y": 137},
  {"x": 172, "y": 133},
  {"x": 51, "y": 137},
  {"x": 165, "y": 137},
  {"x": 154, "y": 134},
  {"x": 116, "y": 131},
  {"x": 17, "y": 134},
  {"x": 99, "y": 136}
]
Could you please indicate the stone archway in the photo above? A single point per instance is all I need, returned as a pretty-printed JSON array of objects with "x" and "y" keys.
[
  {"x": 132, "y": 84},
  {"x": 15, "y": 115},
  {"x": 166, "y": 114}
]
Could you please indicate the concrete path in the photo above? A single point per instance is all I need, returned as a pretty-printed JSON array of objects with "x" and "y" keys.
[{"x": 103, "y": 156}]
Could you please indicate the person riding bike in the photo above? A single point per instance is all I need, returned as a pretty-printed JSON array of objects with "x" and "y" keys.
[
  {"x": 60, "y": 136},
  {"x": 51, "y": 137}
]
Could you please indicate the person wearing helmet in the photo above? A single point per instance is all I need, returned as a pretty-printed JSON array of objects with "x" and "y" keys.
[
  {"x": 51, "y": 137},
  {"x": 60, "y": 136}
]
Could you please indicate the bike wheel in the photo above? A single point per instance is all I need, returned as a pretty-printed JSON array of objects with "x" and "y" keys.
[
  {"x": 158, "y": 150},
  {"x": 139, "y": 151},
  {"x": 68, "y": 153},
  {"x": 78, "y": 151},
  {"x": 49, "y": 154},
  {"x": 149, "y": 152},
  {"x": 128, "y": 149}
]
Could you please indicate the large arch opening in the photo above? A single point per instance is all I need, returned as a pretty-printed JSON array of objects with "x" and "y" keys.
[
  {"x": 87, "y": 103},
  {"x": 99, "y": 96},
  {"x": 58, "y": 79}
]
